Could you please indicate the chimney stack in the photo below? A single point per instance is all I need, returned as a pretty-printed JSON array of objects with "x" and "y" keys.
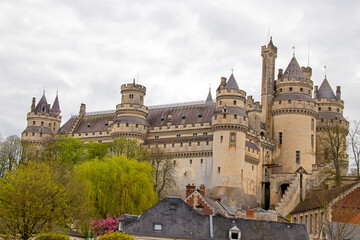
[
  {"x": 190, "y": 189},
  {"x": 223, "y": 82},
  {"x": 338, "y": 92},
  {"x": 316, "y": 89},
  {"x": 280, "y": 73},
  {"x": 202, "y": 190}
]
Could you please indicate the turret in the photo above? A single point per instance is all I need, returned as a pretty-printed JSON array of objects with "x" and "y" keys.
[
  {"x": 294, "y": 112},
  {"x": 269, "y": 54},
  {"x": 130, "y": 120},
  {"x": 43, "y": 122},
  {"x": 230, "y": 124}
]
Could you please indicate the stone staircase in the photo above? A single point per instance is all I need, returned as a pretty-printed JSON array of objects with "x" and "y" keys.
[{"x": 291, "y": 197}]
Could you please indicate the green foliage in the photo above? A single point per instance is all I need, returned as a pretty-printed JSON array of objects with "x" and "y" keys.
[
  {"x": 117, "y": 185},
  {"x": 36, "y": 197},
  {"x": 96, "y": 150},
  {"x": 116, "y": 236},
  {"x": 66, "y": 150},
  {"x": 14, "y": 152},
  {"x": 52, "y": 236},
  {"x": 127, "y": 147}
]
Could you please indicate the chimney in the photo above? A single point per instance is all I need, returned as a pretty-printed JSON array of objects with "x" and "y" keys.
[
  {"x": 82, "y": 110},
  {"x": 316, "y": 89},
  {"x": 190, "y": 189},
  {"x": 280, "y": 73},
  {"x": 250, "y": 213},
  {"x": 202, "y": 190},
  {"x": 33, "y": 105},
  {"x": 217, "y": 198},
  {"x": 338, "y": 92},
  {"x": 223, "y": 82}
]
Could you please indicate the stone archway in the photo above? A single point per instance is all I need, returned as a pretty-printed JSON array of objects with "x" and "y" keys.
[{"x": 282, "y": 189}]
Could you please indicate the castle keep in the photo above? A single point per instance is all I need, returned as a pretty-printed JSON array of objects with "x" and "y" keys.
[{"x": 247, "y": 152}]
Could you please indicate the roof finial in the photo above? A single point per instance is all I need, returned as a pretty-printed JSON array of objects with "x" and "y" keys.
[
  {"x": 232, "y": 70},
  {"x": 325, "y": 70},
  {"x": 293, "y": 51},
  {"x": 309, "y": 55},
  {"x": 134, "y": 81}
]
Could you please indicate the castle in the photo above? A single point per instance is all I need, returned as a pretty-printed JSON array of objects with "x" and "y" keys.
[{"x": 247, "y": 152}]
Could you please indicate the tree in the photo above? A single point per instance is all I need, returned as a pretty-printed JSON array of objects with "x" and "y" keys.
[
  {"x": 163, "y": 170},
  {"x": 127, "y": 147},
  {"x": 36, "y": 197},
  {"x": 14, "y": 152},
  {"x": 117, "y": 185},
  {"x": 332, "y": 153},
  {"x": 96, "y": 150},
  {"x": 52, "y": 236},
  {"x": 354, "y": 140},
  {"x": 66, "y": 150},
  {"x": 102, "y": 226}
]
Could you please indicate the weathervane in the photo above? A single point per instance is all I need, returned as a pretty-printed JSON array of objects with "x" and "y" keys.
[
  {"x": 293, "y": 51},
  {"x": 325, "y": 70}
]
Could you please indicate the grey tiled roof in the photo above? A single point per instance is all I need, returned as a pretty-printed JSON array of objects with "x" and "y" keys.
[
  {"x": 232, "y": 110},
  {"x": 251, "y": 145},
  {"x": 56, "y": 105},
  {"x": 325, "y": 91},
  {"x": 231, "y": 83},
  {"x": 209, "y": 98},
  {"x": 131, "y": 119},
  {"x": 294, "y": 96},
  {"x": 37, "y": 129},
  {"x": 179, "y": 220},
  {"x": 331, "y": 115},
  {"x": 42, "y": 102},
  {"x": 293, "y": 70}
]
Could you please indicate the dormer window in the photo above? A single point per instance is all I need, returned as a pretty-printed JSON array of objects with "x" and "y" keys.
[
  {"x": 89, "y": 125},
  {"x": 162, "y": 118},
  {"x": 157, "y": 227},
  {"x": 234, "y": 233},
  {"x": 106, "y": 123},
  {"x": 183, "y": 116},
  {"x": 200, "y": 115},
  {"x": 43, "y": 107}
]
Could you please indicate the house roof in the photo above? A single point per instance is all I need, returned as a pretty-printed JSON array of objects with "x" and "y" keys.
[
  {"x": 41, "y": 103},
  {"x": 179, "y": 220},
  {"x": 56, "y": 105},
  {"x": 320, "y": 199},
  {"x": 325, "y": 91},
  {"x": 293, "y": 70}
]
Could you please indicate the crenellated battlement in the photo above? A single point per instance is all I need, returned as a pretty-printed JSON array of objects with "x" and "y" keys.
[{"x": 132, "y": 87}]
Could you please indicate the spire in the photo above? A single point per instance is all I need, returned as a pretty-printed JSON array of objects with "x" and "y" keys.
[
  {"x": 231, "y": 83},
  {"x": 56, "y": 105},
  {"x": 209, "y": 98},
  {"x": 325, "y": 91},
  {"x": 293, "y": 70},
  {"x": 42, "y": 105},
  {"x": 270, "y": 42}
]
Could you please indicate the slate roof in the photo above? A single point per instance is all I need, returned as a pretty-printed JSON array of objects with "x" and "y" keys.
[
  {"x": 42, "y": 102},
  {"x": 331, "y": 115},
  {"x": 93, "y": 123},
  {"x": 31, "y": 129},
  {"x": 231, "y": 83},
  {"x": 251, "y": 145},
  {"x": 179, "y": 220},
  {"x": 320, "y": 198},
  {"x": 293, "y": 70},
  {"x": 294, "y": 96},
  {"x": 209, "y": 98},
  {"x": 325, "y": 91},
  {"x": 56, "y": 105}
]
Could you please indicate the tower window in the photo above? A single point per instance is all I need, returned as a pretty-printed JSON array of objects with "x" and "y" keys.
[
  {"x": 178, "y": 135},
  {"x": 234, "y": 102},
  {"x": 312, "y": 141},
  {"x": 181, "y": 144},
  {"x": 338, "y": 110},
  {"x": 189, "y": 144},
  {"x": 297, "y": 157},
  {"x": 174, "y": 162},
  {"x": 280, "y": 89},
  {"x": 164, "y": 145},
  {"x": 301, "y": 89},
  {"x": 329, "y": 108},
  {"x": 194, "y": 134},
  {"x": 280, "y": 138},
  {"x": 290, "y": 89},
  {"x": 221, "y": 138},
  {"x": 137, "y": 125},
  {"x": 289, "y": 101},
  {"x": 201, "y": 161},
  {"x": 33, "y": 122},
  {"x": 173, "y": 145},
  {"x": 312, "y": 124},
  {"x": 198, "y": 143},
  {"x": 207, "y": 142},
  {"x": 131, "y": 96},
  {"x": 224, "y": 116},
  {"x": 279, "y": 102},
  {"x": 49, "y": 124},
  {"x": 127, "y": 124},
  {"x": 235, "y": 116},
  {"x": 319, "y": 108},
  {"x": 219, "y": 169},
  {"x": 190, "y": 161}
]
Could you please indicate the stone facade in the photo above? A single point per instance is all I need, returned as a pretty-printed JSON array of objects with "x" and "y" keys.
[{"x": 243, "y": 151}]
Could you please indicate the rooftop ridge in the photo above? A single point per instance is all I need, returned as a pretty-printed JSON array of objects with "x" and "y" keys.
[{"x": 183, "y": 104}]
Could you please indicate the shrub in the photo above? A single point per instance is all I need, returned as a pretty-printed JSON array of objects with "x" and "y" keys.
[
  {"x": 52, "y": 236},
  {"x": 116, "y": 236}
]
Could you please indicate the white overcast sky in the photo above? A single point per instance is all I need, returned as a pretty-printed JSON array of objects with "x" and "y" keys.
[{"x": 86, "y": 49}]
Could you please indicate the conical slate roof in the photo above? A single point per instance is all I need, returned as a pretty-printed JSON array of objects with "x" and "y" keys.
[
  {"x": 56, "y": 105},
  {"x": 42, "y": 105},
  {"x": 325, "y": 91},
  {"x": 209, "y": 97},
  {"x": 231, "y": 83},
  {"x": 293, "y": 70}
]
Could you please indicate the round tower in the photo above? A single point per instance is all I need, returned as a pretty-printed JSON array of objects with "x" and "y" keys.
[
  {"x": 130, "y": 120},
  {"x": 330, "y": 107},
  {"x": 294, "y": 119},
  {"x": 230, "y": 124},
  {"x": 43, "y": 122}
]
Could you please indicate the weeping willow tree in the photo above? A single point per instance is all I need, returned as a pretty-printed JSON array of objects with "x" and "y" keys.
[{"x": 117, "y": 185}]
